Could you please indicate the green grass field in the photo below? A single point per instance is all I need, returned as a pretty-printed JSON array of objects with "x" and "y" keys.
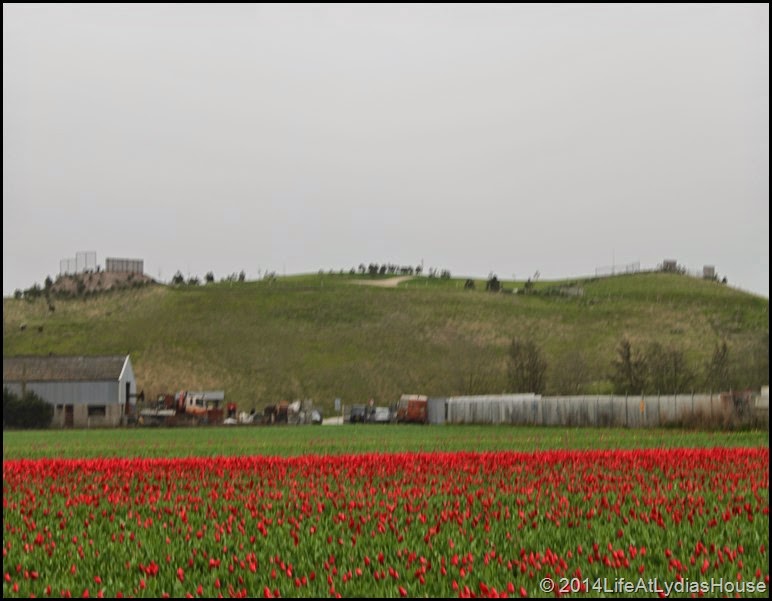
[
  {"x": 321, "y": 337},
  {"x": 350, "y": 439}
]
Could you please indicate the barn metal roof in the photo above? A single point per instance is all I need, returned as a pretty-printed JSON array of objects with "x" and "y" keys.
[{"x": 63, "y": 369}]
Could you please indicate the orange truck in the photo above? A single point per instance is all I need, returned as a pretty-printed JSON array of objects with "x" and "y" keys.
[{"x": 411, "y": 409}]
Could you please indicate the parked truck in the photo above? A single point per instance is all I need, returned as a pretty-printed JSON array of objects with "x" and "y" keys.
[{"x": 411, "y": 408}]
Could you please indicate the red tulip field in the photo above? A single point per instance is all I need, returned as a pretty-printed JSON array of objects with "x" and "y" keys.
[{"x": 670, "y": 522}]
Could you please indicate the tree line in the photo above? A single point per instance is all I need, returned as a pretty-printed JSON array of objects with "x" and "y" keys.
[
  {"x": 372, "y": 269},
  {"x": 650, "y": 369},
  {"x": 655, "y": 369},
  {"x": 178, "y": 279}
]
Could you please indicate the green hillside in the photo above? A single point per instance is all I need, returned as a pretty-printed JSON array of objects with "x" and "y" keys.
[{"x": 322, "y": 337}]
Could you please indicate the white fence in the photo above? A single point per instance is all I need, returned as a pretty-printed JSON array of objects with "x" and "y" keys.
[
  {"x": 618, "y": 269},
  {"x": 618, "y": 411}
]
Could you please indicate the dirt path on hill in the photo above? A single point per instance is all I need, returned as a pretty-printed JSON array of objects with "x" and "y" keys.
[{"x": 390, "y": 283}]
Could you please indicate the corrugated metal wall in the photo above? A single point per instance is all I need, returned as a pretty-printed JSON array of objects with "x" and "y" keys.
[
  {"x": 631, "y": 412},
  {"x": 435, "y": 410},
  {"x": 124, "y": 265},
  {"x": 72, "y": 393}
]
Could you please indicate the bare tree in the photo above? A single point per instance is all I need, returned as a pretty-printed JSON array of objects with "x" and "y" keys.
[
  {"x": 526, "y": 367},
  {"x": 570, "y": 374},
  {"x": 480, "y": 373},
  {"x": 628, "y": 370},
  {"x": 750, "y": 363},
  {"x": 668, "y": 370},
  {"x": 717, "y": 374}
]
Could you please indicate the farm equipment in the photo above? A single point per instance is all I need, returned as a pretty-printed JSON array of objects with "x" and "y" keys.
[
  {"x": 358, "y": 414},
  {"x": 186, "y": 409},
  {"x": 411, "y": 408},
  {"x": 294, "y": 413},
  {"x": 380, "y": 415},
  {"x": 369, "y": 414},
  {"x": 276, "y": 414},
  {"x": 244, "y": 418}
]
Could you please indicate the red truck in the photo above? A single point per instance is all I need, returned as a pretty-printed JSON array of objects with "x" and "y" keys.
[{"x": 411, "y": 408}]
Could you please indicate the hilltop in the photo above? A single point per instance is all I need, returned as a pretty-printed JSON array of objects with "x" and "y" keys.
[
  {"x": 84, "y": 284},
  {"x": 95, "y": 282},
  {"x": 318, "y": 336}
]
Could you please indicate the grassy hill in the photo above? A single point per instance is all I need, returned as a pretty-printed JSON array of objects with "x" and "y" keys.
[{"x": 320, "y": 337}]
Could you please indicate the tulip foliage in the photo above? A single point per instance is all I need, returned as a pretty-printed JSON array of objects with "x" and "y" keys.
[{"x": 377, "y": 525}]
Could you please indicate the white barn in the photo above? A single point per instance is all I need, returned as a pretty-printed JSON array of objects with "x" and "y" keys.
[{"x": 85, "y": 391}]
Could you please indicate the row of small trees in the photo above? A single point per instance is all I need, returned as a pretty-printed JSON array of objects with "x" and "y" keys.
[
  {"x": 665, "y": 369},
  {"x": 374, "y": 269},
  {"x": 178, "y": 279},
  {"x": 654, "y": 369},
  {"x": 35, "y": 291},
  {"x": 493, "y": 284},
  {"x": 387, "y": 268}
]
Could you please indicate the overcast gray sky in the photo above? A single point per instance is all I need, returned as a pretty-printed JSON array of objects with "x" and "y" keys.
[{"x": 505, "y": 139}]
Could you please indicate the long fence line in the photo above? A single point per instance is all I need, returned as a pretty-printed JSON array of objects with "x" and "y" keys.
[
  {"x": 608, "y": 270},
  {"x": 599, "y": 411}
]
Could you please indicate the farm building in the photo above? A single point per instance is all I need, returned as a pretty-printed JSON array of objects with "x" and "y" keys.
[{"x": 85, "y": 391}]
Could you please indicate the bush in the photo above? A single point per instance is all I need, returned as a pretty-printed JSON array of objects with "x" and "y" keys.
[{"x": 27, "y": 412}]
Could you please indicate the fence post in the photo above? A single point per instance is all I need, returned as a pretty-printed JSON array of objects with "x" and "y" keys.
[
  {"x": 659, "y": 410},
  {"x": 627, "y": 418}
]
